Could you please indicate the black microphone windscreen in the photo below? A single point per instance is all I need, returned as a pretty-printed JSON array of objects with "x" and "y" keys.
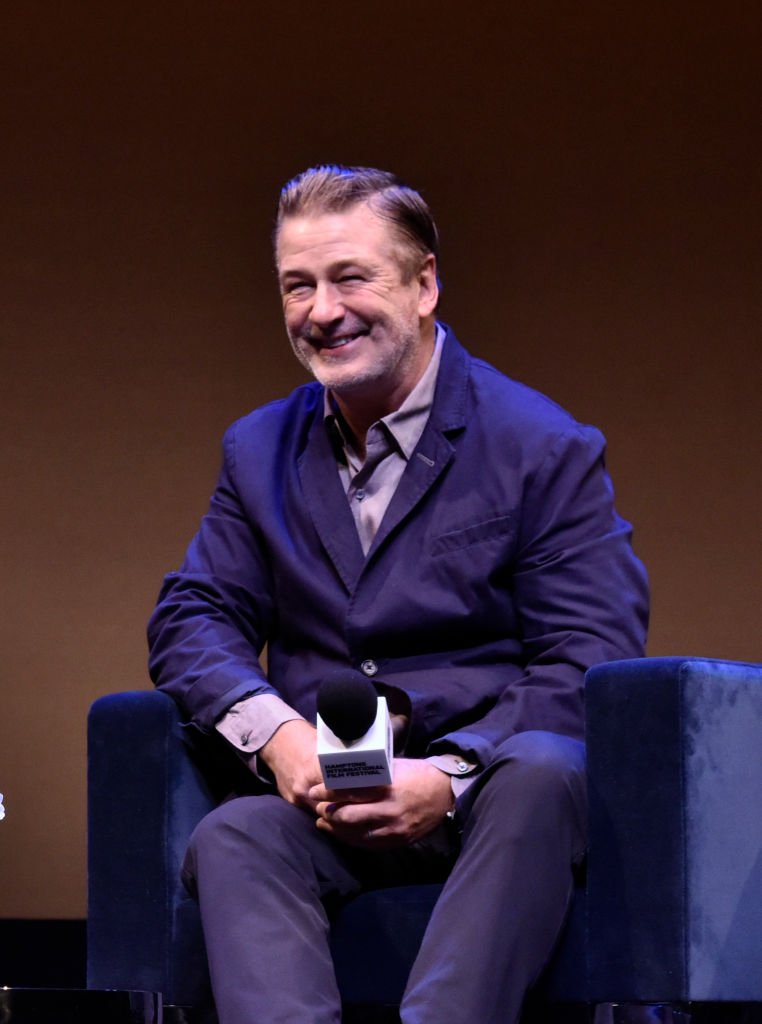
[{"x": 347, "y": 702}]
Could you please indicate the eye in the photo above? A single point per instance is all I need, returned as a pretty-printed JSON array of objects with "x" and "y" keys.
[
  {"x": 350, "y": 278},
  {"x": 295, "y": 288}
]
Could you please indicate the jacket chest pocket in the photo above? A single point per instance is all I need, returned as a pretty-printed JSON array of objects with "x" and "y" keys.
[{"x": 499, "y": 530}]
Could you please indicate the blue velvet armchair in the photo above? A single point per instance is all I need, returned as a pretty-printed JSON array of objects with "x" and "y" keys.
[{"x": 669, "y": 910}]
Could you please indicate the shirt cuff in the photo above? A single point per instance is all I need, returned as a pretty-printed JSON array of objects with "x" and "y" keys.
[
  {"x": 462, "y": 773},
  {"x": 250, "y": 723}
]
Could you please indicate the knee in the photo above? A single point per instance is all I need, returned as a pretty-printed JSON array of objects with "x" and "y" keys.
[
  {"x": 245, "y": 821},
  {"x": 546, "y": 762},
  {"x": 263, "y": 830},
  {"x": 543, "y": 749},
  {"x": 534, "y": 789}
]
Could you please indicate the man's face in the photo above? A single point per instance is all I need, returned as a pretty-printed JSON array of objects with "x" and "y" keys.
[{"x": 357, "y": 317}]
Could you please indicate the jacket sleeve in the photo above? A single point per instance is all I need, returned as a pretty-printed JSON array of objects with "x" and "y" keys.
[
  {"x": 579, "y": 592},
  {"x": 214, "y": 615}
]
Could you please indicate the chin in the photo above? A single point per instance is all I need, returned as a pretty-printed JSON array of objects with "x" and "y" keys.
[
  {"x": 342, "y": 383},
  {"x": 341, "y": 378}
]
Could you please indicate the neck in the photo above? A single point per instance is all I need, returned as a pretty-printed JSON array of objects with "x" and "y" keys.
[{"x": 363, "y": 407}]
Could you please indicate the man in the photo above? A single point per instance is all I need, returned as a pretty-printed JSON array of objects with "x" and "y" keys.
[{"x": 450, "y": 534}]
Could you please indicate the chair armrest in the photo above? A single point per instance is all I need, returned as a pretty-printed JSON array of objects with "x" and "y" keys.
[
  {"x": 146, "y": 793},
  {"x": 675, "y": 868}
]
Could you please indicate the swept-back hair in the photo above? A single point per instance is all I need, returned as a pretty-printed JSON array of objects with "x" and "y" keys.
[{"x": 331, "y": 188}]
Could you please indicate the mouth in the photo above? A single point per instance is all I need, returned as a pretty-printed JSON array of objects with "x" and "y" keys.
[{"x": 338, "y": 342}]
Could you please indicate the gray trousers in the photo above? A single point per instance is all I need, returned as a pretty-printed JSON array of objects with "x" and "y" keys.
[{"x": 265, "y": 876}]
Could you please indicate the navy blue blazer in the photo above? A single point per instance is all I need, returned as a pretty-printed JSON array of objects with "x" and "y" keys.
[{"x": 499, "y": 574}]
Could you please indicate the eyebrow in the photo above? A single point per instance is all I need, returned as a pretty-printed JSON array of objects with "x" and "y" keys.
[{"x": 336, "y": 267}]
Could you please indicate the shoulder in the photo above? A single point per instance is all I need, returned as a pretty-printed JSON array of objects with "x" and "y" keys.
[
  {"x": 283, "y": 414},
  {"x": 523, "y": 426},
  {"x": 504, "y": 399},
  {"x": 274, "y": 429},
  {"x": 508, "y": 410}
]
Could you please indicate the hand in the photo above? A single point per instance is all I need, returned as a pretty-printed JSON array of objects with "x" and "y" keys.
[
  {"x": 291, "y": 755},
  {"x": 416, "y": 802}
]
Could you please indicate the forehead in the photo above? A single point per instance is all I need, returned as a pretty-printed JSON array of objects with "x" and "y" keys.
[{"x": 325, "y": 238}]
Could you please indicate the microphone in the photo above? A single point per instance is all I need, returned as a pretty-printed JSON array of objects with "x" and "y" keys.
[{"x": 354, "y": 733}]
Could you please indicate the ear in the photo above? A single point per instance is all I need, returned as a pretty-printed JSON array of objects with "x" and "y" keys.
[{"x": 428, "y": 294}]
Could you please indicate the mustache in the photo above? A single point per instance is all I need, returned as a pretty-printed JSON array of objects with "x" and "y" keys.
[{"x": 345, "y": 329}]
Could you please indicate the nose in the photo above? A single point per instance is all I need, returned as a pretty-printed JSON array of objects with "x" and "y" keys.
[{"x": 327, "y": 307}]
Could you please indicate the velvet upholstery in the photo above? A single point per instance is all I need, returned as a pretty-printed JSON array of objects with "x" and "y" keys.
[
  {"x": 145, "y": 795},
  {"x": 675, "y": 865},
  {"x": 671, "y": 908}
]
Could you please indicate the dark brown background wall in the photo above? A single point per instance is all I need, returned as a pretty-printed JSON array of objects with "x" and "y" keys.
[{"x": 595, "y": 172}]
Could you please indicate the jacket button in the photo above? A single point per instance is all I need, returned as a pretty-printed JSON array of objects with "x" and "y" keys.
[{"x": 369, "y": 667}]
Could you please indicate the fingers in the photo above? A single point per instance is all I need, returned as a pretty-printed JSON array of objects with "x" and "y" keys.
[
  {"x": 369, "y": 794},
  {"x": 363, "y": 834},
  {"x": 352, "y": 814},
  {"x": 355, "y": 823}
]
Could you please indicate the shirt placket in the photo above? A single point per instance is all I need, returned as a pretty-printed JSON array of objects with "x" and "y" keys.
[{"x": 365, "y": 485}]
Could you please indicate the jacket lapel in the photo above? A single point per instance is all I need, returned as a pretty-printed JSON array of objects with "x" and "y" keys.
[
  {"x": 434, "y": 451},
  {"x": 327, "y": 504}
]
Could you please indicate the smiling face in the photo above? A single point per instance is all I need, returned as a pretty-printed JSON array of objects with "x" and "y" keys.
[{"x": 358, "y": 305}]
